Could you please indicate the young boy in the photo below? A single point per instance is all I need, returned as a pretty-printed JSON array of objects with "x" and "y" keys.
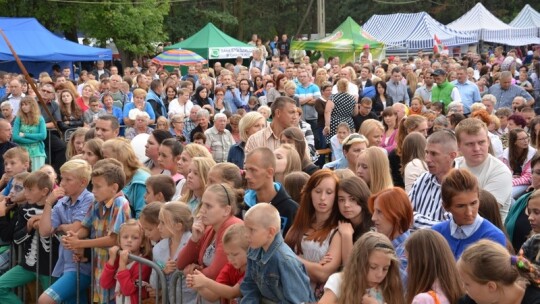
[
  {"x": 65, "y": 216},
  {"x": 273, "y": 273},
  {"x": 102, "y": 222},
  {"x": 92, "y": 114},
  {"x": 159, "y": 188},
  {"x": 227, "y": 283},
  {"x": 8, "y": 218},
  {"x": 37, "y": 187},
  {"x": 16, "y": 160}
]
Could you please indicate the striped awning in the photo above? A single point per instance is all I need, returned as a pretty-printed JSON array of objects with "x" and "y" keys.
[
  {"x": 485, "y": 26},
  {"x": 413, "y": 31},
  {"x": 528, "y": 17}
]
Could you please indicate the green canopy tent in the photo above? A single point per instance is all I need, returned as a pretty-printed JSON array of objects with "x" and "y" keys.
[
  {"x": 346, "y": 42},
  {"x": 211, "y": 44}
]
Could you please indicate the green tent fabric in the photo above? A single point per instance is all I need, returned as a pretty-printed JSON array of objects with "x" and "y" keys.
[
  {"x": 211, "y": 43},
  {"x": 346, "y": 42}
]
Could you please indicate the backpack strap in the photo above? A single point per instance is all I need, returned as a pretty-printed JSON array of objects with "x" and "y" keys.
[{"x": 433, "y": 294}]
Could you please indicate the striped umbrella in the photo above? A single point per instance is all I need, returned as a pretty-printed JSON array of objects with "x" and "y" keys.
[{"x": 178, "y": 57}]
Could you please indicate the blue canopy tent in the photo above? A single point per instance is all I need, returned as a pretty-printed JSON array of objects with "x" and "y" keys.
[
  {"x": 39, "y": 49},
  {"x": 486, "y": 27},
  {"x": 413, "y": 31}
]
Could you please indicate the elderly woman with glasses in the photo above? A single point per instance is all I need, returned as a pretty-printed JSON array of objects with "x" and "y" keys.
[
  {"x": 518, "y": 158},
  {"x": 177, "y": 125},
  {"x": 353, "y": 145}
]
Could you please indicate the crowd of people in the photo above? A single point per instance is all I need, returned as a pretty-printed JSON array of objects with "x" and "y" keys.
[{"x": 285, "y": 179}]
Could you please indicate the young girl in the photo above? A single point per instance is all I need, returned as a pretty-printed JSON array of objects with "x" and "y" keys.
[
  {"x": 226, "y": 173},
  {"x": 49, "y": 170},
  {"x": 197, "y": 180},
  {"x": 372, "y": 275},
  {"x": 72, "y": 115},
  {"x": 227, "y": 283},
  {"x": 91, "y": 151},
  {"x": 29, "y": 131},
  {"x": 174, "y": 227},
  {"x": 313, "y": 234},
  {"x": 76, "y": 143},
  {"x": 149, "y": 221},
  {"x": 287, "y": 161},
  {"x": 390, "y": 123},
  {"x": 121, "y": 271},
  {"x": 417, "y": 105},
  {"x": 491, "y": 275},
  {"x": 169, "y": 154},
  {"x": 413, "y": 157},
  {"x": 374, "y": 169},
  {"x": 343, "y": 130},
  {"x": 353, "y": 195},
  {"x": 432, "y": 272}
]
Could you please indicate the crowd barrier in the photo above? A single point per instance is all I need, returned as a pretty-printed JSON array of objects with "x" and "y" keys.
[{"x": 23, "y": 292}]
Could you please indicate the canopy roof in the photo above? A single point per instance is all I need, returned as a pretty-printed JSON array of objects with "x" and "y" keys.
[
  {"x": 414, "y": 31},
  {"x": 485, "y": 26},
  {"x": 212, "y": 43},
  {"x": 528, "y": 17},
  {"x": 33, "y": 42},
  {"x": 346, "y": 41}
]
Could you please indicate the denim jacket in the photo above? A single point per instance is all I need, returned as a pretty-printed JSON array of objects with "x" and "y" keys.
[{"x": 275, "y": 276}]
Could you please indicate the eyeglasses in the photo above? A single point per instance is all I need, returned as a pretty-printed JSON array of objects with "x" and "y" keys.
[{"x": 524, "y": 138}]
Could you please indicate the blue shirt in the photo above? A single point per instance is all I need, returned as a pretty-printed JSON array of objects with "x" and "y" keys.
[
  {"x": 399, "y": 246},
  {"x": 505, "y": 97},
  {"x": 469, "y": 94},
  {"x": 276, "y": 275},
  {"x": 147, "y": 108},
  {"x": 311, "y": 90},
  {"x": 67, "y": 212},
  {"x": 232, "y": 102}
]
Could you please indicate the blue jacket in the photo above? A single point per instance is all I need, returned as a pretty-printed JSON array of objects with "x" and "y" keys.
[
  {"x": 282, "y": 201},
  {"x": 276, "y": 275},
  {"x": 135, "y": 190},
  {"x": 237, "y": 154}
]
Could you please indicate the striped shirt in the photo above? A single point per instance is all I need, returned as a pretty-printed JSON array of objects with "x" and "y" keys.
[{"x": 426, "y": 201}]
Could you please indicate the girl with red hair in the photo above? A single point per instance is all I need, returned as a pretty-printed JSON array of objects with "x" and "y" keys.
[
  {"x": 313, "y": 235},
  {"x": 393, "y": 216}
]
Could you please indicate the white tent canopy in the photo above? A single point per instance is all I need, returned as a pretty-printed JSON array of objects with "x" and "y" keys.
[
  {"x": 528, "y": 17},
  {"x": 414, "y": 31},
  {"x": 485, "y": 26}
]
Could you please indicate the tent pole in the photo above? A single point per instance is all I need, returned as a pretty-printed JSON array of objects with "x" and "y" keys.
[{"x": 31, "y": 82}]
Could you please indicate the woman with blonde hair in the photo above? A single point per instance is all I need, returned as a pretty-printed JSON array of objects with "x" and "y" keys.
[
  {"x": 373, "y": 130},
  {"x": 287, "y": 161},
  {"x": 29, "y": 131},
  {"x": 248, "y": 125},
  {"x": 197, "y": 179},
  {"x": 83, "y": 101},
  {"x": 136, "y": 174},
  {"x": 340, "y": 108},
  {"x": 373, "y": 168}
]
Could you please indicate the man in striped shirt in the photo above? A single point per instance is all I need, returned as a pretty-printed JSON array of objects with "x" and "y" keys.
[{"x": 425, "y": 195}]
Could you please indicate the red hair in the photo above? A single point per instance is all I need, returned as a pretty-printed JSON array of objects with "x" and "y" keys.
[
  {"x": 395, "y": 206},
  {"x": 305, "y": 216}
]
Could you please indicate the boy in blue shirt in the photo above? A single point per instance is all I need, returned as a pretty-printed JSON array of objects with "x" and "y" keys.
[
  {"x": 16, "y": 160},
  {"x": 67, "y": 215},
  {"x": 274, "y": 274}
]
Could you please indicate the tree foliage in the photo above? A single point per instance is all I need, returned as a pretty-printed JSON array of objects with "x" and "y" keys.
[{"x": 137, "y": 25}]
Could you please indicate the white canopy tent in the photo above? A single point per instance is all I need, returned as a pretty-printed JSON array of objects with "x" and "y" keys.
[
  {"x": 528, "y": 17},
  {"x": 486, "y": 27}
]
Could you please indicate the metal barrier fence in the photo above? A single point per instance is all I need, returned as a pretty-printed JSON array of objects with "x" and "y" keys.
[{"x": 17, "y": 258}]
